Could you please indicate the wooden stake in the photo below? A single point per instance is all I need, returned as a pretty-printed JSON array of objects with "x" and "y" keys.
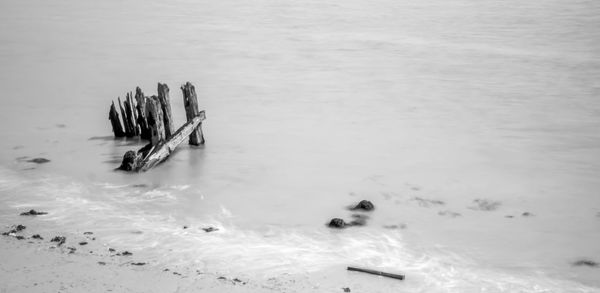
[
  {"x": 154, "y": 116},
  {"x": 379, "y": 273},
  {"x": 113, "y": 116},
  {"x": 190, "y": 102},
  {"x": 141, "y": 109},
  {"x": 131, "y": 116},
  {"x": 127, "y": 124},
  {"x": 165, "y": 104}
]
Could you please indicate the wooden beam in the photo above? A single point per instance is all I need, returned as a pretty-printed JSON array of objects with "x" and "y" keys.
[
  {"x": 378, "y": 273},
  {"x": 152, "y": 155},
  {"x": 190, "y": 102},
  {"x": 141, "y": 109},
  {"x": 154, "y": 118}
]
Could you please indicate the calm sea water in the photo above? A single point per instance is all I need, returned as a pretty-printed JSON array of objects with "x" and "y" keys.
[{"x": 312, "y": 106}]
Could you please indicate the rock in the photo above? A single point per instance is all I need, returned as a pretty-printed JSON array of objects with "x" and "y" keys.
[
  {"x": 210, "y": 229},
  {"x": 130, "y": 161},
  {"x": 13, "y": 230},
  {"x": 125, "y": 253},
  {"x": 38, "y": 160},
  {"x": 19, "y": 237},
  {"x": 586, "y": 262},
  {"x": 346, "y": 289},
  {"x": 337, "y": 223},
  {"x": 221, "y": 278},
  {"x": 33, "y": 213},
  {"x": 138, "y": 263},
  {"x": 60, "y": 239},
  {"x": 83, "y": 243},
  {"x": 37, "y": 236},
  {"x": 101, "y": 263},
  {"x": 111, "y": 250},
  {"x": 71, "y": 250},
  {"x": 527, "y": 214},
  {"x": 364, "y": 205},
  {"x": 185, "y": 227},
  {"x": 88, "y": 233}
]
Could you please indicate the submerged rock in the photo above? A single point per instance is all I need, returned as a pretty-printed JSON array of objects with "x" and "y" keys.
[
  {"x": 346, "y": 289},
  {"x": 364, "y": 205},
  {"x": 38, "y": 160},
  {"x": 33, "y": 213},
  {"x": 586, "y": 262},
  {"x": 37, "y": 236},
  {"x": 210, "y": 229},
  {"x": 337, "y": 223},
  {"x": 130, "y": 161},
  {"x": 60, "y": 239}
]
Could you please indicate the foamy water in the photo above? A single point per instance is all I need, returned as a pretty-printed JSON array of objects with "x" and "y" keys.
[{"x": 312, "y": 106}]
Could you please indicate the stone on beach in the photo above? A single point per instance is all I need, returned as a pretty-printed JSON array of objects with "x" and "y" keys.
[
  {"x": 337, "y": 223},
  {"x": 38, "y": 160},
  {"x": 60, "y": 239},
  {"x": 364, "y": 205}
]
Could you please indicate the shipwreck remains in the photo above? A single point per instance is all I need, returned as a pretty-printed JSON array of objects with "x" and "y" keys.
[{"x": 151, "y": 119}]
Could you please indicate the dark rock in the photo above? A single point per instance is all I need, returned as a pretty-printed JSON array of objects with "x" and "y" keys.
[
  {"x": 586, "y": 262},
  {"x": 14, "y": 229},
  {"x": 60, "y": 239},
  {"x": 185, "y": 227},
  {"x": 165, "y": 270},
  {"x": 126, "y": 253},
  {"x": 237, "y": 280},
  {"x": 346, "y": 289},
  {"x": 221, "y": 278},
  {"x": 38, "y": 160},
  {"x": 337, "y": 223},
  {"x": 130, "y": 161},
  {"x": 37, "y": 236},
  {"x": 101, "y": 263},
  {"x": 88, "y": 233},
  {"x": 210, "y": 229},
  {"x": 364, "y": 205},
  {"x": 83, "y": 243},
  {"x": 33, "y": 213},
  {"x": 138, "y": 263},
  {"x": 71, "y": 250},
  {"x": 20, "y": 228},
  {"x": 111, "y": 250},
  {"x": 19, "y": 237},
  {"x": 527, "y": 214}
]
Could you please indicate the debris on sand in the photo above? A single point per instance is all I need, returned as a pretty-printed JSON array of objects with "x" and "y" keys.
[
  {"x": 337, "y": 223},
  {"x": 485, "y": 205},
  {"x": 450, "y": 214},
  {"x": 586, "y": 262},
  {"x": 210, "y": 229},
  {"x": 38, "y": 160},
  {"x": 33, "y": 213},
  {"x": 364, "y": 205},
  {"x": 60, "y": 239},
  {"x": 424, "y": 202},
  {"x": 14, "y": 230}
]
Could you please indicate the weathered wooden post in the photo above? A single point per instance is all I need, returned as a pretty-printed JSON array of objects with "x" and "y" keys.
[
  {"x": 141, "y": 109},
  {"x": 190, "y": 102},
  {"x": 131, "y": 115},
  {"x": 113, "y": 116},
  {"x": 127, "y": 123},
  {"x": 154, "y": 116},
  {"x": 165, "y": 103}
]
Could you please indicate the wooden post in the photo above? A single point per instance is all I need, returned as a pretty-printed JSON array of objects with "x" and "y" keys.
[
  {"x": 131, "y": 116},
  {"x": 190, "y": 102},
  {"x": 154, "y": 116},
  {"x": 113, "y": 116},
  {"x": 127, "y": 124},
  {"x": 141, "y": 109},
  {"x": 165, "y": 104}
]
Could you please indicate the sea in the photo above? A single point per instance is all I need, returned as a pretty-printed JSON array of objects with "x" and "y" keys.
[{"x": 472, "y": 126}]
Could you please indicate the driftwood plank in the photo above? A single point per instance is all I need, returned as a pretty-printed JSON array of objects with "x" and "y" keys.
[
  {"x": 162, "y": 151},
  {"x": 165, "y": 103},
  {"x": 378, "y": 273},
  {"x": 190, "y": 102},
  {"x": 113, "y": 116}
]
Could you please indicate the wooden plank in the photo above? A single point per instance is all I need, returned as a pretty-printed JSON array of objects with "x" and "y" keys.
[
  {"x": 378, "y": 273},
  {"x": 113, "y": 116},
  {"x": 190, "y": 102},
  {"x": 165, "y": 103},
  {"x": 162, "y": 151},
  {"x": 127, "y": 124},
  {"x": 131, "y": 114}
]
